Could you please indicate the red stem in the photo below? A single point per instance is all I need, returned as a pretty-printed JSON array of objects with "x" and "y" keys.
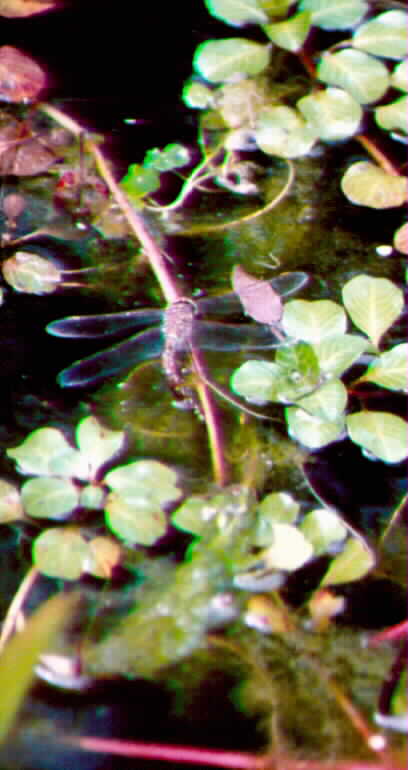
[
  {"x": 236, "y": 760},
  {"x": 168, "y": 283},
  {"x": 392, "y": 634},
  {"x": 377, "y": 155},
  {"x": 169, "y": 753}
]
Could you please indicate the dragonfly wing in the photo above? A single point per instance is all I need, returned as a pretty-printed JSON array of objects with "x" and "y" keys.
[
  {"x": 289, "y": 283},
  {"x": 220, "y": 336},
  {"x": 125, "y": 355},
  {"x": 103, "y": 325},
  {"x": 226, "y": 304}
]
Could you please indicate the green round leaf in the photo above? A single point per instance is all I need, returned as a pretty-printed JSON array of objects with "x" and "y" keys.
[
  {"x": 335, "y": 14},
  {"x": 399, "y": 77},
  {"x": 384, "y": 35},
  {"x": 327, "y": 402},
  {"x": 312, "y": 431},
  {"x": 390, "y": 369},
  {"x": 71, "y": 464},
  {"x": 301, "y": 370},
  {"x": 92, "y": 497},
  {"x": 31, "y": 274},
  {"x": 353, "y": 563},
  {"x": 383, "y": 434},
  {"x": 140, "y": 181},
  {"x": 323, "y": 528},
  {"x": 39, "y": 450},
  {"x": 237, "y": 12},
  {"x": 257, "y": 381},
  {"x": 197, "y": 96},
  {"x": 49, "y": 498},
  {"x": 282, "y": 131},
  {"x": 393, "y": 116},
  {"x": 313, "y": 320},
  {"x": 366, "y": 184},
  {"x": 365, "y": 78},
  {"x": 193, "y": 515},
  {"x": 135, "y": 520},
  {"x": 289, "y": 549},
  {"x": 144, "y": 480},
  {"x": 60, "y": 552},
  {"x": 338, "y": 352},
  {"x": 291, "y": 33},
  {"x": 373, "y": 304},
  {"x": 221, "y": 60},
  {"x": 277, "y": 507},
  {"x": 299, "y": 358},
  {"x": 332, "y": 114},
  {"x": 11, "y": 508},
  {"x": 98, "y": 443},
  {"x": 171, "y": 157}
]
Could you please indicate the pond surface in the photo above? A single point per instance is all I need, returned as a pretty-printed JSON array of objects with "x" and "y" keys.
[{"x": 101, "y": 74}]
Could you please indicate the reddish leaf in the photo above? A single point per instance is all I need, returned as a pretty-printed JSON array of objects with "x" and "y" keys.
[
  {"x": 260, "y": 301},
  {"x": 14, "y": 9},
  {"x": 21, "y": 78},
  {"x": 22, "y": 153},
  {"x": 13, "y": 206}
]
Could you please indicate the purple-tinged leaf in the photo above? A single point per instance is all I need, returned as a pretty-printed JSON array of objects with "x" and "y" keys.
[{"x": 259, "y": 300}]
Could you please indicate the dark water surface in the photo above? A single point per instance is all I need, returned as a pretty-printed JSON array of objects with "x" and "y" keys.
[{"x": 108, "y": 62}]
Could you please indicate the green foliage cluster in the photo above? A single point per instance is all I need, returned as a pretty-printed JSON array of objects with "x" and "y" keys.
[
  {"x": 143, "y": 179},
  {"x": 242, "y": 550},
  {"x": 133, "y": 497},
  {"x": 352, "y": 78},
  {"x": 251, "y": 538},
  {"x": 307, "y": 372}
]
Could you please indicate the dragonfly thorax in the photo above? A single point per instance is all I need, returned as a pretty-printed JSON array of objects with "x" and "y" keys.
[{"x": 178, "y": 323}]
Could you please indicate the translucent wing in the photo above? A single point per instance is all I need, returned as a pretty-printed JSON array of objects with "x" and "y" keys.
[
  {"x": 125, "y": 355},
  {"x": 284, "y": 284},
  {"x": 220, "y": 336},
  {"x": 105, "y": 324}
]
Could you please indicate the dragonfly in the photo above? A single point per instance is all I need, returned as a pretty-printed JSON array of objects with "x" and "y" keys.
[{"x": 167, "y": 333}]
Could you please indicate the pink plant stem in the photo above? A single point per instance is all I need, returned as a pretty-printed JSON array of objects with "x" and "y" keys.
[
  {"x": 169, "y": 753},
  {"x": 236, "y": 760},
  {"x": 212, "y": 421},
  {"x": 136, "y": 222},
  {"x": 395, "y": 633},
  {"x": 170, "y": 287},
  {"x": 377, "y": 154}
]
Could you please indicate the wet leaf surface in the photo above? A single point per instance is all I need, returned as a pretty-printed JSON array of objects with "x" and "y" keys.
[{"x": 21, "y": 78}]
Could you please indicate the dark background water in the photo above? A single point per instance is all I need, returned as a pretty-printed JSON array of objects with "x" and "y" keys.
[
  {"x": 107, "y": 62},
  {"x": 113, "y": 60}
]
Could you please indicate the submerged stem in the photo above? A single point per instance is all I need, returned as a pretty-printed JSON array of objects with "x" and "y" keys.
[
  {"x": 171, "y": 289},
  {"x": 248, "y": 217}
]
